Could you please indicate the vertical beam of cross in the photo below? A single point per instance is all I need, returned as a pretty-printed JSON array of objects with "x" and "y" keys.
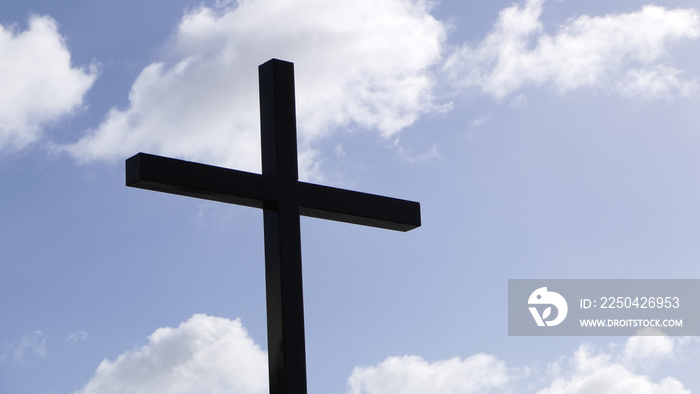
[{"x": 283, "y": 278}]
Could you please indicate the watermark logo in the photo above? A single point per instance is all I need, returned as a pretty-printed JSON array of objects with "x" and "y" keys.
[
  {"x": 543, "y": 297},
  {"x": 603, "y": 307}
]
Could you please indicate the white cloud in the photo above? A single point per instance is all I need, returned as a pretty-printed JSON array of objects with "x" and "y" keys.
[
  {"x": 591, "y": 372},
  {"x": 30, "y": 345},
  {"x": 587, "y": 371},
  {"x": 39, "y": 85},
  {"x": 661, "y": 81},
  {"x": 480, "y": 373},
  {"x": 77, "y": 336},
  {"x": 208, "y": 354},
  {"x": 625, "y": 53},
  {"x": 205, "y": 354},
  {"x": 648, "y": 348},
  {"x": 364, "y": 63}
]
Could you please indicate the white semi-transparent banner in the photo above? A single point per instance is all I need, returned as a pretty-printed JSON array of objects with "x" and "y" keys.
[{"x": 604, "y": 307}]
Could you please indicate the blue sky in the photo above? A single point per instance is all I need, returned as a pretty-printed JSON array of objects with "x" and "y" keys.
[{"x": 543, "y": 139}]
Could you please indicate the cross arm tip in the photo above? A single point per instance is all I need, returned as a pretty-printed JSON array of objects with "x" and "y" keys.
[
  {"x": 133, "y": 167},
  {"x": 359, "y": 208}
]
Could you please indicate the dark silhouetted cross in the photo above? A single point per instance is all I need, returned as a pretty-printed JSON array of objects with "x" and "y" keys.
[{"x": 283, "y": 198}]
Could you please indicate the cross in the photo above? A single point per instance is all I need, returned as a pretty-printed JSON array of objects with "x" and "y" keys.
[{"x": 283, "y": 199}]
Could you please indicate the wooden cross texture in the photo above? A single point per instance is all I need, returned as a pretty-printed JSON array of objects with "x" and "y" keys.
[{"x": 283, "y": 199}]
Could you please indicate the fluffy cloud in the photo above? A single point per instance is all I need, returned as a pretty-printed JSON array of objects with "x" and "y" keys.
[
  {"x": 589, "y": 372},
  {"x": 621, "y": 52},
  {"x": 648, "y": 349},
  {"x": 205, "y": 354},
  {"x": 480, "y": 373},
  {"x": 362, "y": 63},
  {"x": 39, "y": 85},
  {"x": 209, "y": 354},
  {"x": 585, "y": 372}
]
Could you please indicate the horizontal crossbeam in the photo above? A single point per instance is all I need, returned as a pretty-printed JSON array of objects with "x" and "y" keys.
[{"x": 190, "y": 179}]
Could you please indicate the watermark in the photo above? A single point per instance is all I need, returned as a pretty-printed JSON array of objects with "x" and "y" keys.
[
  {"x": 603, "y": 307},
  {"x": 543, "y": 297}
]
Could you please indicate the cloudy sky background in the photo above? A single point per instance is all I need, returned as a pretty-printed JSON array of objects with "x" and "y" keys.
[{"x": 551, "y": 139}]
